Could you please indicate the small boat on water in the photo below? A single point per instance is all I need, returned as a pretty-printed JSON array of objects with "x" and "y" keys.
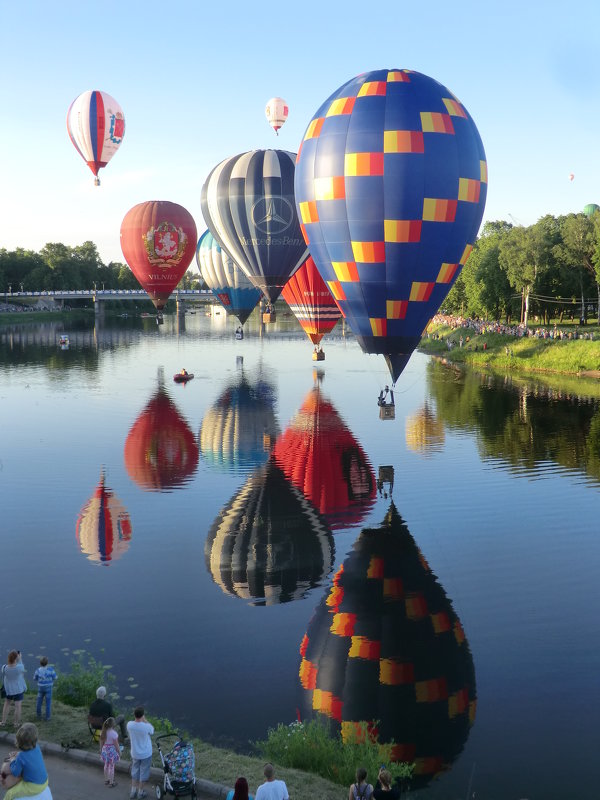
[
  {"x": 64, "y": 341},
  {"x": 183, "y": 377}
]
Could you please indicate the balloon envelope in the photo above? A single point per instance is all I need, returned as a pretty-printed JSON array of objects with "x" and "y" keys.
[
  {"x": 307, "y": 295},
  {"x": 590, "y": 209},
  {"x": 276, "y": 112},
  {"x": 96, "y": 126},
  {"x": 248, "y": 205},
  {"x": 225, "y": 279},
  {"x": 160, "y": 450},
  {"x": 103, "y": 526},
  {"x": 158, "y": 240},
  {"x": 390, "y": 184}
]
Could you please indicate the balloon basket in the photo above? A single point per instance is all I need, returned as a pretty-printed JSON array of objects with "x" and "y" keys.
[
  {"x": 269, "y": 316},
  {"x": 318, "y": 355},
  {"x": 387, "y": 412}
]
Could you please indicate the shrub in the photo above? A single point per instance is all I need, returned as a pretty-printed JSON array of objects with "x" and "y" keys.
[
  {"x": 313, "y": 747},
  {"x": 78, "y": 687}
]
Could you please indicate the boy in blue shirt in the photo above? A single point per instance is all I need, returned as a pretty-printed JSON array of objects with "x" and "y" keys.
[{"x": 45, "y": 676}]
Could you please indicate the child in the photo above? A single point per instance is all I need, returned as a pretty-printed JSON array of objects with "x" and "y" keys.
[
  {"x": 45, "y": 677},
  {"x": 109, "y": 750},
  {"x": 27, "y": 764}
]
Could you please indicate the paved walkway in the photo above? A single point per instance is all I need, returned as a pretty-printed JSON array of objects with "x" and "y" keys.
[{"x": 78, "y": 775}]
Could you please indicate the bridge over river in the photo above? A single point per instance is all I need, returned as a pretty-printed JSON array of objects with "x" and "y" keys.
[{"x": 99, "y": 296}]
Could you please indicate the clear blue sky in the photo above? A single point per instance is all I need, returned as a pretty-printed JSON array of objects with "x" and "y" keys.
[{"x": 193, "y": 79}]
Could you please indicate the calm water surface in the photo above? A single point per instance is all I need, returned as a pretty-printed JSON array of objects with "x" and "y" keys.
[{"x": 459, "y": 606}]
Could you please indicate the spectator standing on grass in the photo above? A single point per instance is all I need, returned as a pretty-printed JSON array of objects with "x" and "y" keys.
[
  {"x": 140, "y": 731},
  {"x": 45, "y": 675},
  {"x": 271, "y": 789},
  {"x": 13, "y": 679}
]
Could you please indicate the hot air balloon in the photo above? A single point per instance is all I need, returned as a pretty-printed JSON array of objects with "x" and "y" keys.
[
  {"x": 571, "y": 177},
  {"x": 96, "y": 126},
  {"x": 590, "y": 209},
  {"x": 321, "y": 457},
  {"x": 158, "y": 240},
  {"x": 160, "y": 450},
  {"x": 269, "y": 545},
  {"x": 238, "y": 431},
  {"x": 225, "y": 279},
  {"x": 276, "y": 111},
  {"x": 390, "y": 186},
  {"x": 248, "y": 206},
  {"x": 385, "y": 648},
  {"x": 103, "y": 526},
  {"x": 307, "y": 295}
]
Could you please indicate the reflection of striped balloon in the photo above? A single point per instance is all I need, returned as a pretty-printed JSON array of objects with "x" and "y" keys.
[
  {"x": 321, "y": 457},
  {"x": 225, "y": 279},
  {"x": 307, "y": 295},
  {"x": 268, "y": 545},
  {"x": 238, "y": 431},
  {"x": 248, "y": 205},
  {"x": 103, "y": 527},
  {"x": 385, "y": 645}
]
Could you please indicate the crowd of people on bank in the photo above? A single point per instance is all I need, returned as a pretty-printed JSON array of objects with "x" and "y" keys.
[
  {"x": 23, "y": 773},
  {"x": 481, "y": 326}
]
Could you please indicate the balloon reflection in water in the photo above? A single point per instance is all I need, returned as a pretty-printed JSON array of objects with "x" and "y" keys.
[
  {"x": 160, "y": 450},
  {"x": 103, "y": 527},
  {"x": 385, "y": 645},
  {"x": 425, "y": 433},
  {"x": 321, "y": 457},
  {"x": 238, "y": 431},
  {"x": 269, "y": 545}
]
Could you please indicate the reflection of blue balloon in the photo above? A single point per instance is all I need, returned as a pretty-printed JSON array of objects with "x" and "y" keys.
[
  {"x": 225, "y": 279},
  {"x": 248, "y": 205},
  {"x": 390, "y": 186}
]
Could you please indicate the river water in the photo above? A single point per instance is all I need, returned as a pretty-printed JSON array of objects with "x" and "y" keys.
[{"x": 259, "y": 545}]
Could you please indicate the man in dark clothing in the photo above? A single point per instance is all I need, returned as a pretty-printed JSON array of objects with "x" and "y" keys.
[{"x": 103, "y": 709}]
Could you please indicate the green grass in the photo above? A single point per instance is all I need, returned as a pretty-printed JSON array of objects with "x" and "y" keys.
[{"x": 567, "y": 357}]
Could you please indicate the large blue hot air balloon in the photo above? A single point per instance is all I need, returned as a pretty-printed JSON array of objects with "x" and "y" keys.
[
  {"x": 248, "y": 206},
  {"x": 225, "y": 279},
  {"x": 390, "y": 187}
]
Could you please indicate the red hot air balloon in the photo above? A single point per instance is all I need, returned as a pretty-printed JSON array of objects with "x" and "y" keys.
[
  {"x": 161, "y": 452},
  {"x": 306, "y": 293},
  {"x": 158, "y": 240}
]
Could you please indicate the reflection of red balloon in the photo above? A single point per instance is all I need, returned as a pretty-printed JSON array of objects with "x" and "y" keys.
[
  {"x": 306, "y": 293},
  {"x": 160, "y": 450},
  {"x": 385, "y": 647},
  {"x": 103, "y": 527},
  {"x": 158, "y": 240},
  {"x": 321, "y": 457}
]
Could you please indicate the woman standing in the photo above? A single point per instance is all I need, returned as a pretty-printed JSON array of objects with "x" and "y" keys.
[
  {"x": 361, "y": 790},
  {"x": 14, "y": 685}
]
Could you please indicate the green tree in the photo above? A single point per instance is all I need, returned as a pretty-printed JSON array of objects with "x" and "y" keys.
[
  {"x": 576, "y": 251},
  {"x": 487, "y": 287}
]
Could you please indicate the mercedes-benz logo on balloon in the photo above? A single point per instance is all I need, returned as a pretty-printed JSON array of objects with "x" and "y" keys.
[{"x": 272, "y": 215}]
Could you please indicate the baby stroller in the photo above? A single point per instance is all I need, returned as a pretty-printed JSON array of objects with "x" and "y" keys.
[{"x": 179, "y": 767}]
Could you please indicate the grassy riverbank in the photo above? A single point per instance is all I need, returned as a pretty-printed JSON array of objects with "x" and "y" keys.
[
  {"x": 575, "y": 357},
  {"x": 68, "y": 726}
]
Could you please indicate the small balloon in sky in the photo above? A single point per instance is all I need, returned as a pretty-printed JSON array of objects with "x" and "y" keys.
[
  {"x": 96, "y": 126},
  {"x": 276, "y": 112},
  {"x": 571, "y": 176}
]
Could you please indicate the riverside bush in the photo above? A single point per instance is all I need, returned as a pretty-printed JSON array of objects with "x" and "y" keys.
[
  {"x": 311, "y": 746},
  {"x": 78, "y": 687}
]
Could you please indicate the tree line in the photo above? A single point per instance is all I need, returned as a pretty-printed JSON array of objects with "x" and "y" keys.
[
  {"x": 60, "y": 267},
  {"x": 550, "y": 269}
]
